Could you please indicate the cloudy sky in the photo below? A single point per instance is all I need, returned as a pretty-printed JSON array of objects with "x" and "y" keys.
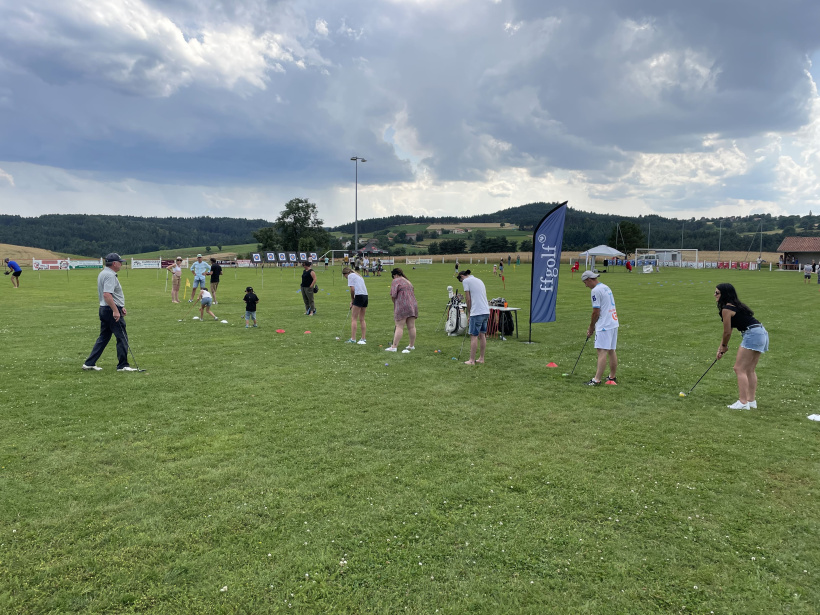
[{"x": 206, "y": 107}]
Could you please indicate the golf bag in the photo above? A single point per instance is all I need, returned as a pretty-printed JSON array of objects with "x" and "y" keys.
[
  {"x": 506, "y": 325},
  {"x": 456, "y": 317}
]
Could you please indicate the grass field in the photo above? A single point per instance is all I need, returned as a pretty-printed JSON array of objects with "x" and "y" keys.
[{"x": 249, "y": 471}]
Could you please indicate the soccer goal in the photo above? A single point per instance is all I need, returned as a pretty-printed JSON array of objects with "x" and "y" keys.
[{"x": 648, "y": 260}]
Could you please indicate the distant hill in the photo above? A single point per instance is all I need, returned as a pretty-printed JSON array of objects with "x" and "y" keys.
[
  {"x": 585, "y": 229},
  {"x": 95, "y": 235}
]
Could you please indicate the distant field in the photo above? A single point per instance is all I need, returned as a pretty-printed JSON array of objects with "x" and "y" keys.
[{"x": 252, "y": 471}]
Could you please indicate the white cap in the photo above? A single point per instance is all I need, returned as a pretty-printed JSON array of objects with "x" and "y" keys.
[
  {"x": 588, "y": 274},
  {"x": 199, "y": 256}
]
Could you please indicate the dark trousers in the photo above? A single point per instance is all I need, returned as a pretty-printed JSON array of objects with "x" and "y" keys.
[
  {"x": 307, "y": 297},
  {"x": 109, "y": 327}
]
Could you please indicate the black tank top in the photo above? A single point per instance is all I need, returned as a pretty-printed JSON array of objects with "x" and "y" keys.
[
  {"x": 307, "y": 279},
  {"x": 741, "y": 320}
]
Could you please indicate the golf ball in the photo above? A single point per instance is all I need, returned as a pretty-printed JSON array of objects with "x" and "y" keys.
[
  {"x": 681, "y": 394},
  {"x": 337, "y": 337},
  {"x": 565, "y": 375}
]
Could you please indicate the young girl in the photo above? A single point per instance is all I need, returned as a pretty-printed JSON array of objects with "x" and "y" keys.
[
  {"x": 358, "y": 305},
  {"x": 737, "y": 315},
  {"x": 205, "y": 299}
]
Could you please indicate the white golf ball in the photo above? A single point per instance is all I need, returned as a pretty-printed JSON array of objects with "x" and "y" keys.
[
  {"x": 196, "y": 317},
  {"x": 224, "y": 322}
]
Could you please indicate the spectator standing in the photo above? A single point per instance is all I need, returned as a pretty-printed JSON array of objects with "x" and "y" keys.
[
  {"x": 604, "y": 324},
  {"x": 405, "y": 310},
  {"x": 307, "y": 288},
  {"x": 15, "y": 270},
  {"x": 358, "y": 305},
  {"x": 112, "y": 316},
  {"x": 806, "y": 273},
  {"x": 176, "y": 276},
  {"x": 478, "y": 309},
  {"x": 216, "y": 272},
  {"x": 199, "y": 269}
]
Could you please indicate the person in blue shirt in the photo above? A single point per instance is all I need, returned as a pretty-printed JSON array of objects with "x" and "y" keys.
[
  {"x": 200, "y": 269},
  {"x": 15, "y": 271}
]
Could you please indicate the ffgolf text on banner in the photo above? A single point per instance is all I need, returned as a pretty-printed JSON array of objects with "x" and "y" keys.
[{"x": 546, "y": 257}]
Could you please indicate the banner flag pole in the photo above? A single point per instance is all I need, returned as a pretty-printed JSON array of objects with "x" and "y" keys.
[{"x": 547, "y": 241}]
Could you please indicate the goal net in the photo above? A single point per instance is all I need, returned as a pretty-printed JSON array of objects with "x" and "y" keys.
[{"x": 648, "y": 260}]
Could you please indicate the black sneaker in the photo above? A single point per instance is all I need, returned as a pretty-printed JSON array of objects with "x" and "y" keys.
[
  {"x": 593, "y": 383},
  {"x": 611, "y": 381}
]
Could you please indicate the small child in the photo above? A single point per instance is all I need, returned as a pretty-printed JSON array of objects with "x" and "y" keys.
[
  {"x": 250, "y": 300},
  {"x": 205, "y": 299}
]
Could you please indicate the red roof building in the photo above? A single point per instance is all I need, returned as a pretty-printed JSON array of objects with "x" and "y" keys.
[{"x": 798, "y": 251}]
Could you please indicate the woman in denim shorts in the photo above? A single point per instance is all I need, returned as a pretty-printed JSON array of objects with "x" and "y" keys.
[{"x": 737, "y": 315}]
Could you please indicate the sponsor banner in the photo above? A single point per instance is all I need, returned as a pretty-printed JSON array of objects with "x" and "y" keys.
[
  {"x": 227, "y": 263},
  {"x": 86, "y": 264},
  {"x": 49, "y": 264},
  {"x": 547, "y": 241},
  {"x": 153, "y": 263},
  {"x": 243, "y": 263}
]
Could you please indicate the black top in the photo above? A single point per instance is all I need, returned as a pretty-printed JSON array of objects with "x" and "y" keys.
[
  {"x": 741, "y": 320},
  {"x": 250, "y": 300},
  {"x": 216, "y": 271},
  {"x": 307, "y": 279}
]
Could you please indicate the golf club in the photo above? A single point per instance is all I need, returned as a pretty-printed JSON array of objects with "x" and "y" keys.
[
  {"x": 682, "y": 394},
  {"x": 188, "y": 311},
  {"x": 347, "y": 318},
  {"x": 579, "y": 357},
  {"x": 463, "y": 339},
  {"x": 128, "y": 347}
]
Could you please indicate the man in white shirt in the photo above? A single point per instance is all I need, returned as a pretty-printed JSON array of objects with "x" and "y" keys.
[
  {"x": 604, "y": 324},
  {"x": 478, "y": 308}
]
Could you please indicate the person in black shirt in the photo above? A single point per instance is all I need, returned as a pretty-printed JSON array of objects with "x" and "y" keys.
[
  {"x": 737, "y": 315},
  {"x": 308, "y": 284},
  {"x": 250, "y": 300},
  {"x": 216, "y": 271}
]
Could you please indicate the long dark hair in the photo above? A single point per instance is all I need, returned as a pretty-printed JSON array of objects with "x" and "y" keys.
[
  {"x": 728, "y": 294},
  {"x": 398, "y": 272}
]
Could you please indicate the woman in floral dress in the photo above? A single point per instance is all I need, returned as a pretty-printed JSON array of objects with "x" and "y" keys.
[{"x": 405, "y": 310}]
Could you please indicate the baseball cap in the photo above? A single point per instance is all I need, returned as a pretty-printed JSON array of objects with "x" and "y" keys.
[
  {"x": 588, "y": 274},
  {"x": 113, "y": 257},
  {"x": 199, "y": 256}
]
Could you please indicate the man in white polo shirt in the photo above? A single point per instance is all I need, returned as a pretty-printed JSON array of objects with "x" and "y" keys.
[{"x": 604, "y": 324}]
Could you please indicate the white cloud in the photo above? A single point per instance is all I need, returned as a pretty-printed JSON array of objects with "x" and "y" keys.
[
  {"x": 7, "y": 177},
  {"x": 134, "y": 47},
  {"x": 321, "y": 27}
]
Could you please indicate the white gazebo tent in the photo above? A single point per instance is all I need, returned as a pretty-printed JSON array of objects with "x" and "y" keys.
[{"x": 603, "y": 251}]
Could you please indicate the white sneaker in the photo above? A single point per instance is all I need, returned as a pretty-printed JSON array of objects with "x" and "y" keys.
[
  {"x": 390, "y": 349},
  {"x": 753, "y": 404},
  {"x": 92, "y": 367},
  {"x": 738, "y": 405},
  {"x": 362, "y": 342},
  {"x": 411, "y": 348},
  {"x": 405, "y": 351},
  {"x": 127, "y": 368}
]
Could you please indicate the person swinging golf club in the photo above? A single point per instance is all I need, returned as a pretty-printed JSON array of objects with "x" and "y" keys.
[
  {"x": 604, "y": 324},
  {"x": 112, "y": 316},
  {"x": 358, "y": 305},
  {"x": 478, "y": 309}
]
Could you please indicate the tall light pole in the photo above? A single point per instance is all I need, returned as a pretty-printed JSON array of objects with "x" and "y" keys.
[{"x": 356, "y": 211}]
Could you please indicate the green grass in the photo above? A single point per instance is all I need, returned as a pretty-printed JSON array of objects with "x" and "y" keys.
[{"x": 307, "y": 476}]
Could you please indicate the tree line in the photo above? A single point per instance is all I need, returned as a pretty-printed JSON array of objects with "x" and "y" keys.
[{"x": 97, "y": 235}]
